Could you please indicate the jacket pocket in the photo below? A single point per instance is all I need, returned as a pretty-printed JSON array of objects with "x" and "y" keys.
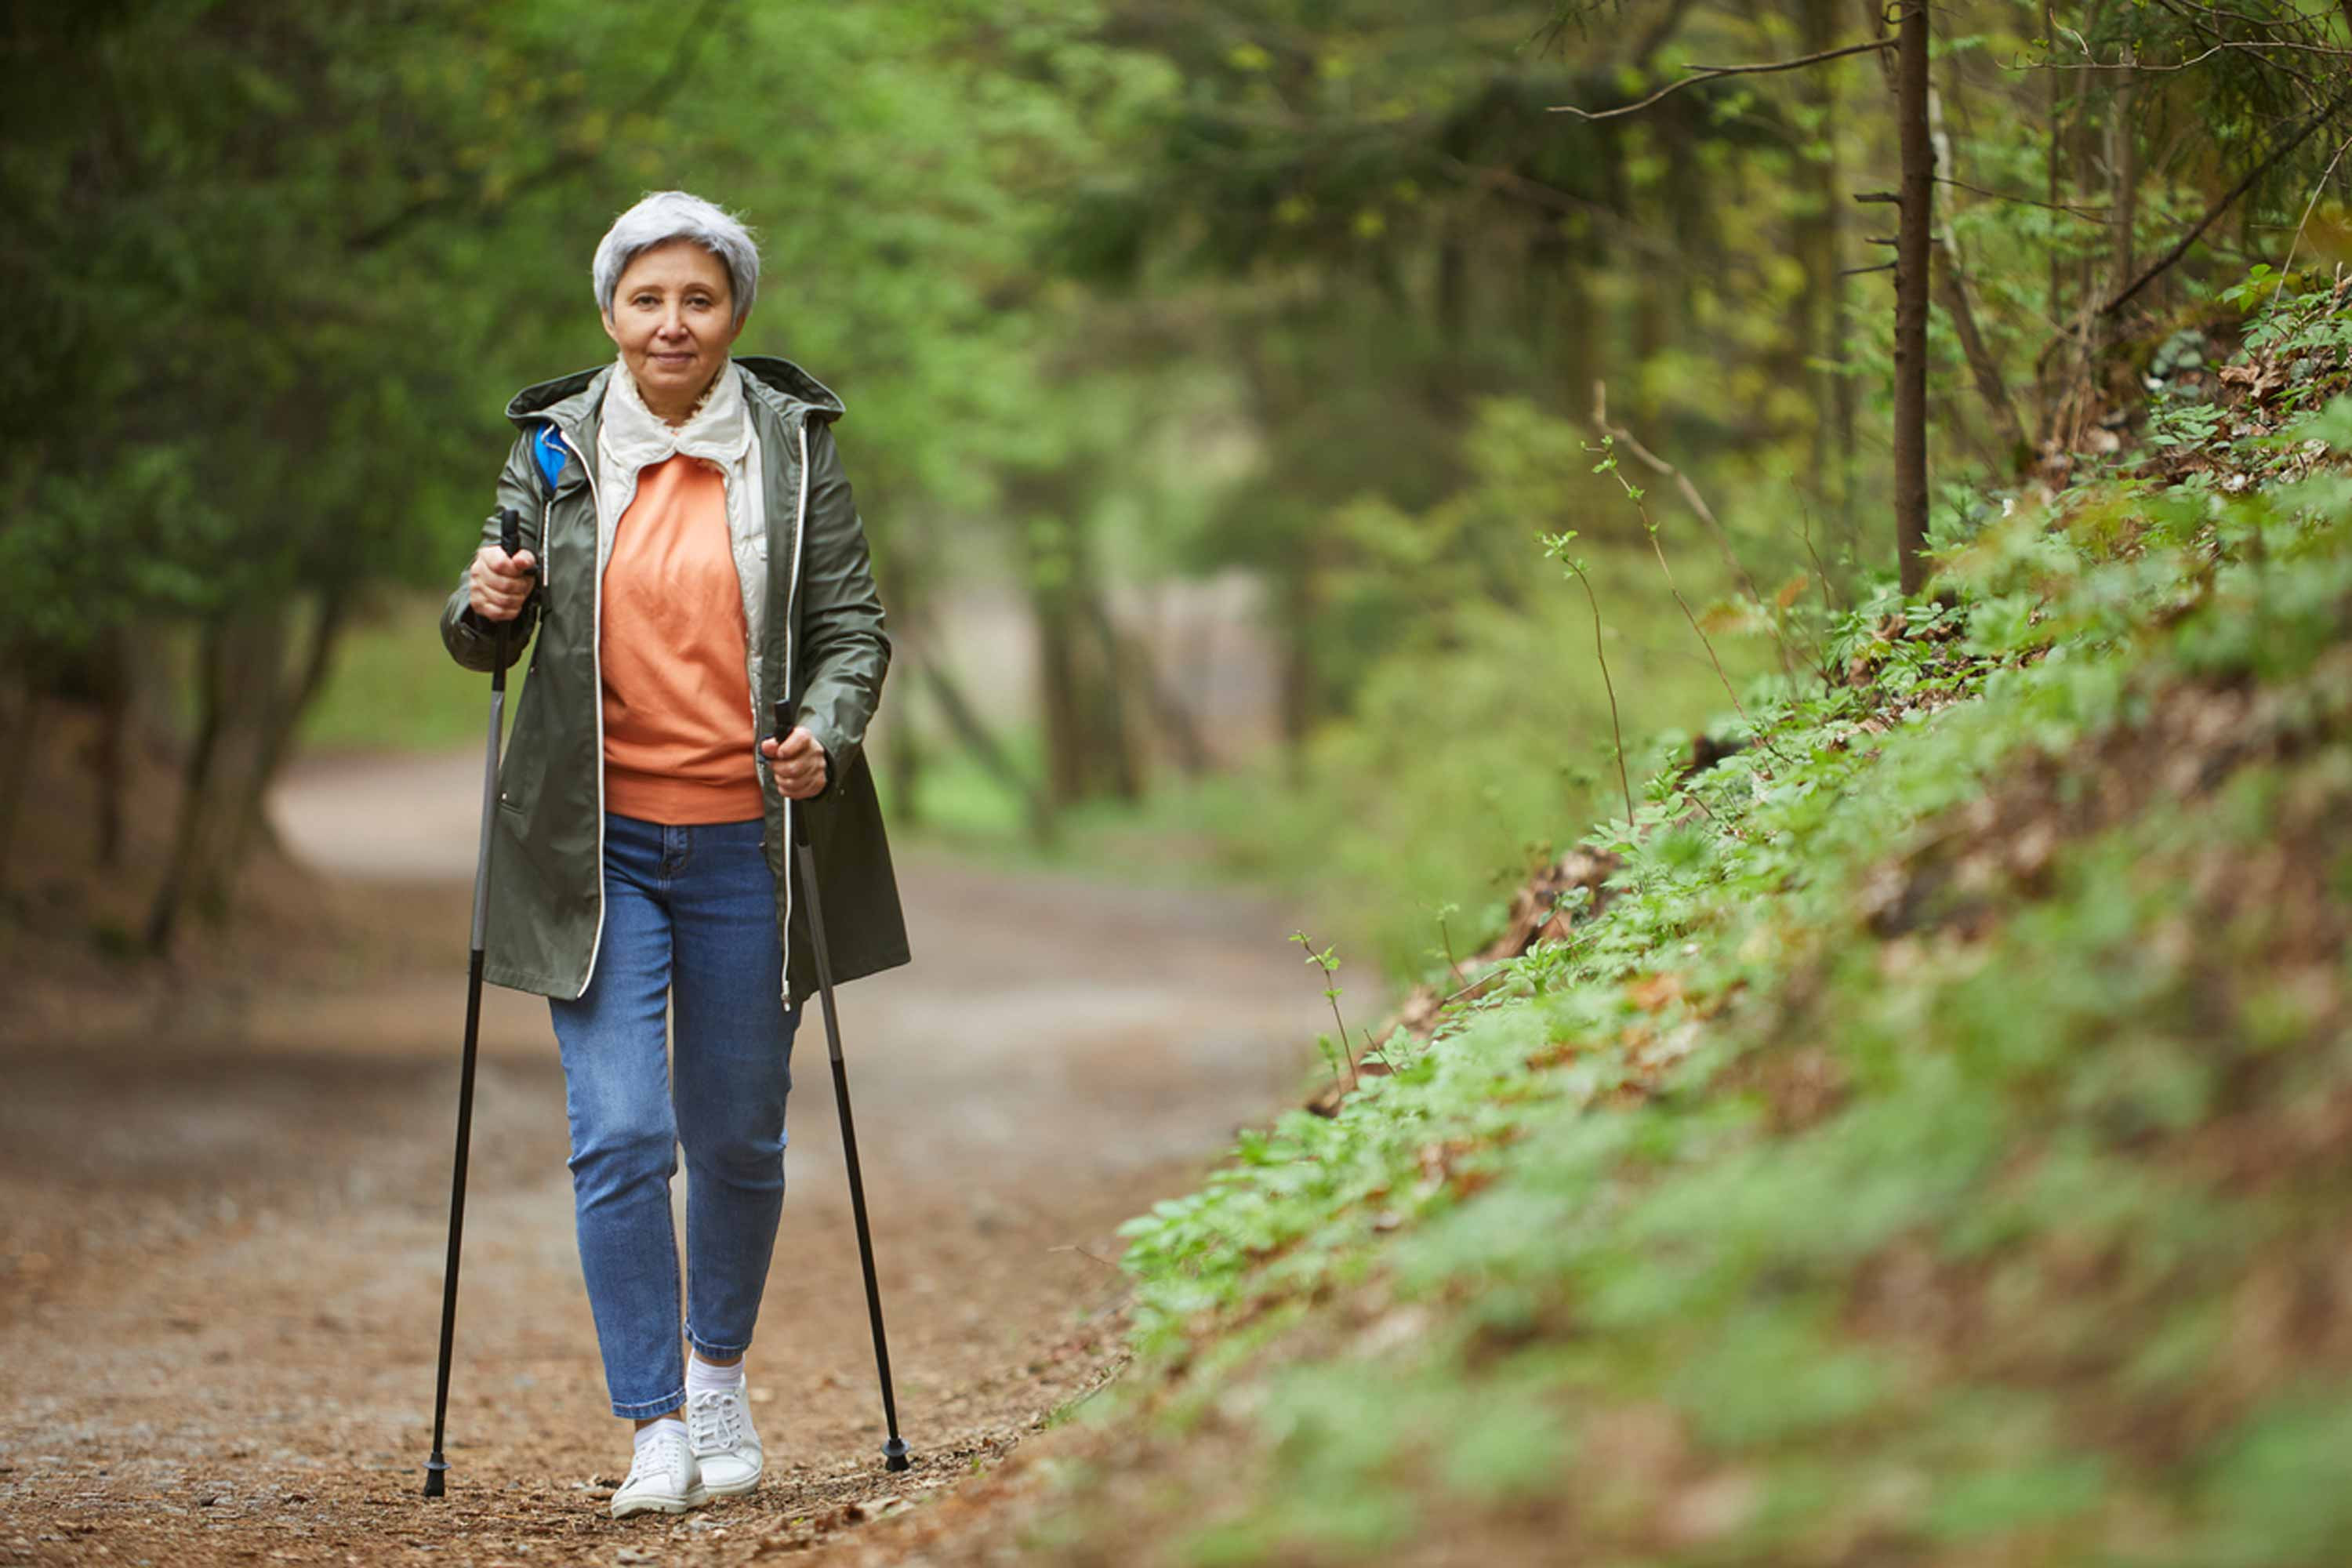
[{"x": 523, "y": 765}]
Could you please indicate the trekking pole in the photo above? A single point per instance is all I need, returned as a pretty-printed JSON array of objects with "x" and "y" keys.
[
  {"x": 894, "y": 1452},
  {"x": 437, "y": 1468}
]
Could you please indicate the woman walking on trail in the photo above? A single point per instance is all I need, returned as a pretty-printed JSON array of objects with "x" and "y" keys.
[{"x": 690, "y": 555}]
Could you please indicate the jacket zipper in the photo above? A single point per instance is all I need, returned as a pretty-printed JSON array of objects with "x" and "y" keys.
[
  {"x": 792, "y": 592},
  {"x": 596, "y": 688},
  {"x": 752, "y": 656}
]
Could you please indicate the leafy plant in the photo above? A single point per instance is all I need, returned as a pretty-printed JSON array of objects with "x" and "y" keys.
[
  {"x": 1861, "y": 1155},
  {"x": 1556, "y": 548}
]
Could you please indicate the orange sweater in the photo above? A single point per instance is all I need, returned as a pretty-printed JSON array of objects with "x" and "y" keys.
[{"x": 680, "y": 736}]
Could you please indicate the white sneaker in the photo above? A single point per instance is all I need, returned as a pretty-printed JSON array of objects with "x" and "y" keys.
[
  {"x": 718, "y": 1426},
  {"x": 664, "y": 1478}
]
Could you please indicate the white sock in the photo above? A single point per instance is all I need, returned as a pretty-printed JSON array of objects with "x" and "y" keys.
[
  {"x": 701, "y": 1377},
  {"x": 652, "y": 1429}
]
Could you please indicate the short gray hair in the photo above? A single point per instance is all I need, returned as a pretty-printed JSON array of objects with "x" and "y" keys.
[{"x": 666, "y": 216}]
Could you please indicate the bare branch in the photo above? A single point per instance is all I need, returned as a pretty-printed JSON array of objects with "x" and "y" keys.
[
  {"x": 2326, "y": 174},
  {"x": 1696, "y": 502},
  {"x": 1708, "y": 73},
  {"x": 2089, "y": 214},
  {"x": 2286, "y": 146},
  {"x": 2143, "y": 67}
]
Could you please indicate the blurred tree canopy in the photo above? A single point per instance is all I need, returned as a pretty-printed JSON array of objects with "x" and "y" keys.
[{"x": 277, "y": 266}]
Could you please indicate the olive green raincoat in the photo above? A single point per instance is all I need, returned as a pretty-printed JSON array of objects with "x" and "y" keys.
[{"x": 824, "y": 643}]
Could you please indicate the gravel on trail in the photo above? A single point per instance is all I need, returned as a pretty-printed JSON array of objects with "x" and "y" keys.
[{"x": 223, "y": 1203}]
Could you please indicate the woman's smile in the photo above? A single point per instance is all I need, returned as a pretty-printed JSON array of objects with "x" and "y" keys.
[{"x": 673, "y": 316}]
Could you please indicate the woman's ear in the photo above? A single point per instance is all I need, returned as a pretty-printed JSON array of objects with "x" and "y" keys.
[{"x": 610, "y": 330}]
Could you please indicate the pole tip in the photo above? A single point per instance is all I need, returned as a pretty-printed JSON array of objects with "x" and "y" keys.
[
  {"x": 894, "y": 1455},
  {"x": 435, "y": 1468}
]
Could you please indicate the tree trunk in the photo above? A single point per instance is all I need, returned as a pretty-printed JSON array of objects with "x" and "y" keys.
[
  {"x": 903, "y": 761},
  {"x": 1110, "y": 735},
  {"x": 1952, "y": 288},
  {"x": 2052, "y": 425},
  {"x": 1061, "y": 711},
  {"x": 107, "y": 677},
  {"x": 904, "y": 750},
  {"x": 2053, "y": 163},
  {"x": 275, "y": 722},
  {"x": 1649, "y": 339},
  {"x": 1911, "y": 291},
  {"x": 1544, "y": 260},
  {"x": 1119, "y": 749},
  {"x": 1573, "y": 319},
  {"x": 196, "y": 777},
  {"x": 107, "y": 766},
  {"x": 243, "y": 698},
  {"x": 2123, "y": 160},
  {"x": 16, "y": 763},
  {"x": 1452, "y": 308},
  {"x": 1087, "y": 747},
  {"x": 1294, "y": 569},
  {"x": 1173, "y": 730},
  {"x": 964, "y": 719},
  {"x": 1176, "y": 722},
  {"x": 1821, "y": 248}
]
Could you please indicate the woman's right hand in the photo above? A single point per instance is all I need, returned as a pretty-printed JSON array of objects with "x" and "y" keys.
[{"x": 498, "y": 582}]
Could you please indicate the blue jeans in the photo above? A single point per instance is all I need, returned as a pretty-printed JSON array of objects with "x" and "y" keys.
[{"x": 689, "y": 925}]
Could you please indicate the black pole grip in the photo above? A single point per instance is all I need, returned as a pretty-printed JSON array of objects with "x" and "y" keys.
[{"x": 510, "y": 530}]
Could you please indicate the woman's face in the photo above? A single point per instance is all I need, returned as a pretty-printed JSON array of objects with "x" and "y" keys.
[{"x": 673, "y": 316}]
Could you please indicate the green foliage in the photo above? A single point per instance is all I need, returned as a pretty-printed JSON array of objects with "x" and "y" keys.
[
  {"x": 1872, "y": 1151},
  {"x": 1483, "y": 722},
  {"x": 280, "y": 267},
  {"x": 394, "y": 691}
]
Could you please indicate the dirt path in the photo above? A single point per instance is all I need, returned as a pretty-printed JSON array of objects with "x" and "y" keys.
[{"x": 221, "y": 1222}]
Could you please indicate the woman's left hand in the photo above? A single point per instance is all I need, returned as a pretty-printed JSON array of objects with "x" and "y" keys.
[{"x": 797, "y": 763}]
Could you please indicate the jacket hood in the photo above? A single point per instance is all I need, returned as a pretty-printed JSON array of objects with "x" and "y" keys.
[{"x": 779, "y": 383}]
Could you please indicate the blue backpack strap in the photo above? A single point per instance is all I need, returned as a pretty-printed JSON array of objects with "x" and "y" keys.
[{"x": 548, "y": 451}]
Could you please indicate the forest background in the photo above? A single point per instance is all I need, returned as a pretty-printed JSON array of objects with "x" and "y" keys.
[{"x": 1240, "y": 355}]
